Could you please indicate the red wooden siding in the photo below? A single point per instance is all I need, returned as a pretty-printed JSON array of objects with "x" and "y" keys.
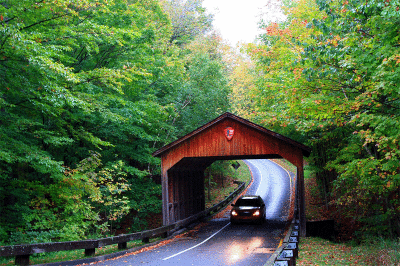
[{"x": 248, "y": 141}]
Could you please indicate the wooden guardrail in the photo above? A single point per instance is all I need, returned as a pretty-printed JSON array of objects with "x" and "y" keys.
[{"x": 22, "y": 252}]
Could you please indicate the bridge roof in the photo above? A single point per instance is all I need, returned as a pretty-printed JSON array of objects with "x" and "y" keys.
[{"x": 241, "y": 121}]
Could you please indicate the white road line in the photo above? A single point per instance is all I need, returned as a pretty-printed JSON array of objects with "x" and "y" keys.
[{"x": 183, "y": 251}]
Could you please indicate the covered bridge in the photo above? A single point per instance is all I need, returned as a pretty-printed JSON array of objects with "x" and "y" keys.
[{"x": 227, "y": 137}]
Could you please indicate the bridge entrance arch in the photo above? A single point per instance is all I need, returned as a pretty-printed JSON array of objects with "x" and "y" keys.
[{"x": 227, "y": 137}]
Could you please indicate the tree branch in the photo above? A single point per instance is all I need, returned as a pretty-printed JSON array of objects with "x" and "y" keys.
[{"x": 43, "y": 21}]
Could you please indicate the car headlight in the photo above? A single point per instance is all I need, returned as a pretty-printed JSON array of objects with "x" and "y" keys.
[
  {"x": 256, "y": 213},
  {"x": 234, "y": 213}
]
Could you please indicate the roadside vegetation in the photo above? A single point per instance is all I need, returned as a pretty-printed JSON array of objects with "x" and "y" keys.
[
  {"x": 88, "y": 90},
  {"x": 369, "y": 251},
  {"x": 372, "y": 252},
  {"x": 223, "y": 174},
  {"x": 328, "y": 76}
]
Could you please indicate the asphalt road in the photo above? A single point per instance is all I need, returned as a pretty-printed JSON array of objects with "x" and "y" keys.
[{"x": 217, "y": 242}]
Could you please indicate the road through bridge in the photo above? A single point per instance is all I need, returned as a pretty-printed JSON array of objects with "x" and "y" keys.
[
  {"x": 218, "y": 242},
  {"x": 227, "y": 137}
]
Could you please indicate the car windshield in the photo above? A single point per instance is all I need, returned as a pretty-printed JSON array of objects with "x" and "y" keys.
[{"x": 248, "y": 202}]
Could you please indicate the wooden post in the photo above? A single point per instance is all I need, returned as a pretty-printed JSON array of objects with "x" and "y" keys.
[
  {"x": 182, "y": 194},
  {"x": 200, "y": 179},
  {"x": 165, "y": 197},
  {"x": 188, "y": 192},
  {"x": 122, "y": 245},
  {"x": 90, "y": 252},
  {"x": 175, "y": 182},
  {"x": 22, "y": 259},
  {"x": 301, "y": 203}
]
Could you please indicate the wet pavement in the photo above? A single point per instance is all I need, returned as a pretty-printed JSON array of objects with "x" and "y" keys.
[{"x": 218, "y": 242}]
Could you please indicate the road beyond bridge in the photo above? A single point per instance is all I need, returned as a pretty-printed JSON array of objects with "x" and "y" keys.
[{"x": 227, "y": 137}]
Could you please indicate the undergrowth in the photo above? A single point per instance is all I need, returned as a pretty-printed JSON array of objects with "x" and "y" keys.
[
  {"x": 218, "y": 193},
  {"x": 372, "y": 251}
]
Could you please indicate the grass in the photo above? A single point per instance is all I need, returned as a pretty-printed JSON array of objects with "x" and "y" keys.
[
  {"x": 285, "y": 164},
  {"x": 317, "y": 251},
  {"x": 243, "y": 173}
]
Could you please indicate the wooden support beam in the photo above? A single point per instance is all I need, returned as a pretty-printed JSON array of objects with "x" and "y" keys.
[
  {"x": 90, "y": 252},
  {"x": 165, "y": 197},
  {"x": 302, "y": 202},
  {"x": 22, "y": 259},
  {"x": 123, "y": 245}
]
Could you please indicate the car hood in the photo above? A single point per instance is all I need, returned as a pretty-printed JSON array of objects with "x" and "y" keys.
[{"x": 246, "y": 208}]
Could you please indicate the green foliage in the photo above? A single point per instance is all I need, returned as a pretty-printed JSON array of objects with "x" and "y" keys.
[
  {"x": 222, "y": 168},
  {"x": 219, "y": 171},
  {"x": 145, "y": 199},
  {"x": 63, "y": 65},
  {"x": 189, "y": 19},
  {"x": 216, "y": 176},
  {"x": 84, "y": 80},
  {"x": 111, "y": 202},
  {"x": 205, "y": 95},
  {"x": 330, "y": 76}
]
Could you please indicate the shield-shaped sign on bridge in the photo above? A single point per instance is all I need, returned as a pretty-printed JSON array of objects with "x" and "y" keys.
[{"x": 229, "y": 133}]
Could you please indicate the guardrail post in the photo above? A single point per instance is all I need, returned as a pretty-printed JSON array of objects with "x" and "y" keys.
[
  {"x": 296, "y": 227},
  {"x": 294, "y": 239},
  {"x": 294, "y": 248},
  {"x": 289, "y": 254},
  {"x": 22, "y": 259},
  {"x": 165, "y": 235},
  {"x": 146, "y": 240},
  {"x": 90, "y": 252},
  {"x": 122, "y": 245},
  {"x": 282, "y": 262}
]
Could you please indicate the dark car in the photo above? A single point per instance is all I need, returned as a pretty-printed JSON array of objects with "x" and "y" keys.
[{"x": 249, "y": 208}]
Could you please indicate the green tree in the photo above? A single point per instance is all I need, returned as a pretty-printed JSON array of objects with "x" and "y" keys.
[
  {"x": 205, "y": 95},
  {"x": 329, "y": 75},
  {"x": 87, "y": 80},
  {"x": 189, "y": 19},
  {"x": 74, "y": 77},
  {"x": 243, "y": 83},
  {"x": 364, "y": 54}
]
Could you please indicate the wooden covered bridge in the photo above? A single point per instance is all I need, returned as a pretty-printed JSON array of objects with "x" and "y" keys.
[{"x": 227, "y": 137}]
